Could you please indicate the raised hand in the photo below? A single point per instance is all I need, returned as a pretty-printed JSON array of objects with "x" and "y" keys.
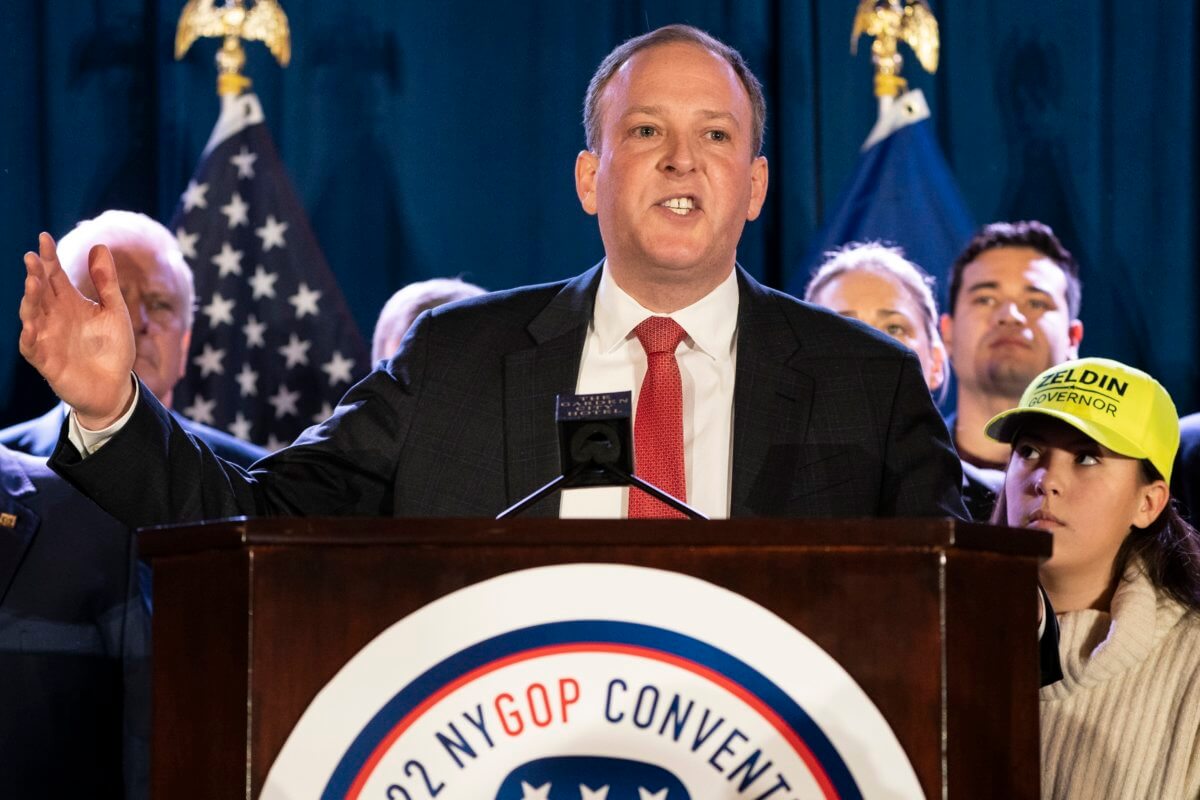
[{"x": 84, "y": 349}]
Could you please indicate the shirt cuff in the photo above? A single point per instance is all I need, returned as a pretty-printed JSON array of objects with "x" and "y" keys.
[{"x": 88, "y": 442}]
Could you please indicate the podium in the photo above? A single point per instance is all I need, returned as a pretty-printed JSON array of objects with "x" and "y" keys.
[{"x": 934, "y": 619}]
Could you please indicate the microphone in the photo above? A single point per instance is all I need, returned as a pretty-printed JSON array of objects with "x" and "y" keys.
[{"x": 595, "y": 446}]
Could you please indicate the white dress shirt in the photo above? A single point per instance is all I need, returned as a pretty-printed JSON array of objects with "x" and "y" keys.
[{"x": 614, "y": 361}]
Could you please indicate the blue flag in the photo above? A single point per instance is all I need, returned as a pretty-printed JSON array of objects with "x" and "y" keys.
[
  {"x": 901, "y": 193},
  {"x": 273, "y": 344}
]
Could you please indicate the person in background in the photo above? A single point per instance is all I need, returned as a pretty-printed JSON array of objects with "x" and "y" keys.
[
  {"x": 74, "y": 632},
  {"x": 157, "y": 286},
  {"x": 1092, "y": 443},
  {"x": 877, "y": 285},
  {"x": 402, "y": 309},
  {"x": 1014, "y": 299}
]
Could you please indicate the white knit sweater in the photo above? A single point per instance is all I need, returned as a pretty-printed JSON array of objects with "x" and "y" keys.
[{"x": 1124, "y": 723}]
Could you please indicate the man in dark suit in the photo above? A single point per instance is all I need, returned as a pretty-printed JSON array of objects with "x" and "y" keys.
[
  {"x": 73, "y": 643},
  {"x": 783, "y": 409},
  {"x": 157, "y": 286}
]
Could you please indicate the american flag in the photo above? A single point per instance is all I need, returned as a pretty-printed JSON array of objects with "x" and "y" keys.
[{"x": 273, "y": 344}]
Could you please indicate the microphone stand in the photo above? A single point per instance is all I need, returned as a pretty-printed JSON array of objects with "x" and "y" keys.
[{"x": 575, "y": 477}]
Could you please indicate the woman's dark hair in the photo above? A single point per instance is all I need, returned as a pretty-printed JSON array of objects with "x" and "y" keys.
[{"x": 1169, "y": 548}]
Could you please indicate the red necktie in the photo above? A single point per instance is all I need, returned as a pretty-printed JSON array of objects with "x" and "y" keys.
[{"x": 658, "y": 422}]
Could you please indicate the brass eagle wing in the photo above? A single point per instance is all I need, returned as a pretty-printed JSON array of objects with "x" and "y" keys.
[
  {"x": 862, "y": 23},
  {"x": 920, "y": 32},
  {"x": 266, "y": 22},
  {"x": 198, "y": 19}
]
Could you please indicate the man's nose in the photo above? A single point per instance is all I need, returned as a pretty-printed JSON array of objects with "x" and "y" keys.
[
  {"x": 679, "y": 156},
  {"x": 1009, "y": 313}
]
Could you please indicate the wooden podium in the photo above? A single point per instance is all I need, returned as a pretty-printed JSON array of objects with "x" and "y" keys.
[{"x": 934, "y": 619}]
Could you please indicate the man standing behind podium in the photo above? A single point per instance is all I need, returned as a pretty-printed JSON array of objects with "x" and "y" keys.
[{"x": 782, "y": 409}]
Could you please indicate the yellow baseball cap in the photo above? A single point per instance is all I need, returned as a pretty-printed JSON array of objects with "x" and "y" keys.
[{"x": 1120, "y": 407}]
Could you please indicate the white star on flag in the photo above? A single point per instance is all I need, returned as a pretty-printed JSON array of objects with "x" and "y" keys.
[
  {"x": 284, "y": 402},
  {"x": 271, "y": 233},
  {"x": 187, "y": 242},
  {"x": 201, "y": 410},
  {"x": 593, "y": 794},
  {"x": 295, "y": 351},
  {"x": 645, "y": 795},
  {"x": 275, "y": 443},
  {"x": 237, "y": 211},
  {"x": 263, "y": 283},
  {"x": 219, "y": 310},
  {"x": 325, "y": 413},
  {"x": 305, "y": 301},
  {"x": 540, "y": 793},
  {"x": 229, "y": 261},
  {"x": 247, "y": 380},
  {"x": 254, "y": 332},
  {"x": 209, "y": 361},
  {"x": 244, "y": 161},
  {"x": 338, "y": 369},
  {"x": 193, "y": 196},
  {"x": 240, "y": 427}
]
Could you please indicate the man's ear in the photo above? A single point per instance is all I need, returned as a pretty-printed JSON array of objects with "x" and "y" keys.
[
  {"x": 586, "y": 164},
  {"x": 1075, "y": 336},
  {"x": 759, "y": 175}
]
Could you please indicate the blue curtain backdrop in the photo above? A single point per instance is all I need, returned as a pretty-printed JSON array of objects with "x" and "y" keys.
[{"x": 438, "y": 138}]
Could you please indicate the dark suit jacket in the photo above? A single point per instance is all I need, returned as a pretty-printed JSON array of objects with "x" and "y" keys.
[
  {"x": 73, "y": 645},
  {"x": 831, "y": 419},
  {"x": 1185, "y": 475},
  {"x": 39, "y": 437}
]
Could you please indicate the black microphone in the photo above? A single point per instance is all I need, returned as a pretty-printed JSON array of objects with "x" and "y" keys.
[{"x": 595, "y": 446}]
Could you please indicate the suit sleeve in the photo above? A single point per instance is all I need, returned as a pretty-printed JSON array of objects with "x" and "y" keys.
[
  {"x": 922, "y": 473},
  {"x": 154, "y": 472}
]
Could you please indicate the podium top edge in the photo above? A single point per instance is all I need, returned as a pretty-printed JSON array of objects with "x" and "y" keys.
[{"x": 251, "y": 533}]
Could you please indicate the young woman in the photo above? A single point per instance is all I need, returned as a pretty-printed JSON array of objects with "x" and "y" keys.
[{"x": 1093, "y": 443}]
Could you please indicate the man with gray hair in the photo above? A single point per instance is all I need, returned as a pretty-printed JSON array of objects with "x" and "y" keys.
[
  {"x": 402, "y": 309},
  {"x": 156, "y": 284}
]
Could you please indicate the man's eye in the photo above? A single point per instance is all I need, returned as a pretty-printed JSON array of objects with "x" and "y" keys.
[
  {"x": 983, "y": 300},
  {"x": 644, "y": 131},
  {"x": 1086, "y": 459},
  {"x": 896, "y": 329},
  {"x": 718, "y": 136},
  {"x": 1038, "y": 304}
]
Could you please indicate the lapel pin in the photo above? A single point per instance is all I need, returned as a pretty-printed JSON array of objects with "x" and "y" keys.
[{"x": 8, "y": 520}]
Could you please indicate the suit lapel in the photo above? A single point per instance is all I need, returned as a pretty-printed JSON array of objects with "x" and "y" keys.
[
  {"x": 18, "y": 523},
  {"x": 532, "y": 379},
  {"x": 772, "y": 401}
]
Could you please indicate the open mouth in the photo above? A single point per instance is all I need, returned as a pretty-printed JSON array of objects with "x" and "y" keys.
[{"x": 679, "y": 205}]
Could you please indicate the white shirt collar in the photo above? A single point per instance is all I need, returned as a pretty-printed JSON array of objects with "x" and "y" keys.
[{"x": 710, "y": 322}]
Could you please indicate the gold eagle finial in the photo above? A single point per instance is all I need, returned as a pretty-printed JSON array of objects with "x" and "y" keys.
[
  {"x": 890, "y": 22},
  {"x": 232, "y": 21}
]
